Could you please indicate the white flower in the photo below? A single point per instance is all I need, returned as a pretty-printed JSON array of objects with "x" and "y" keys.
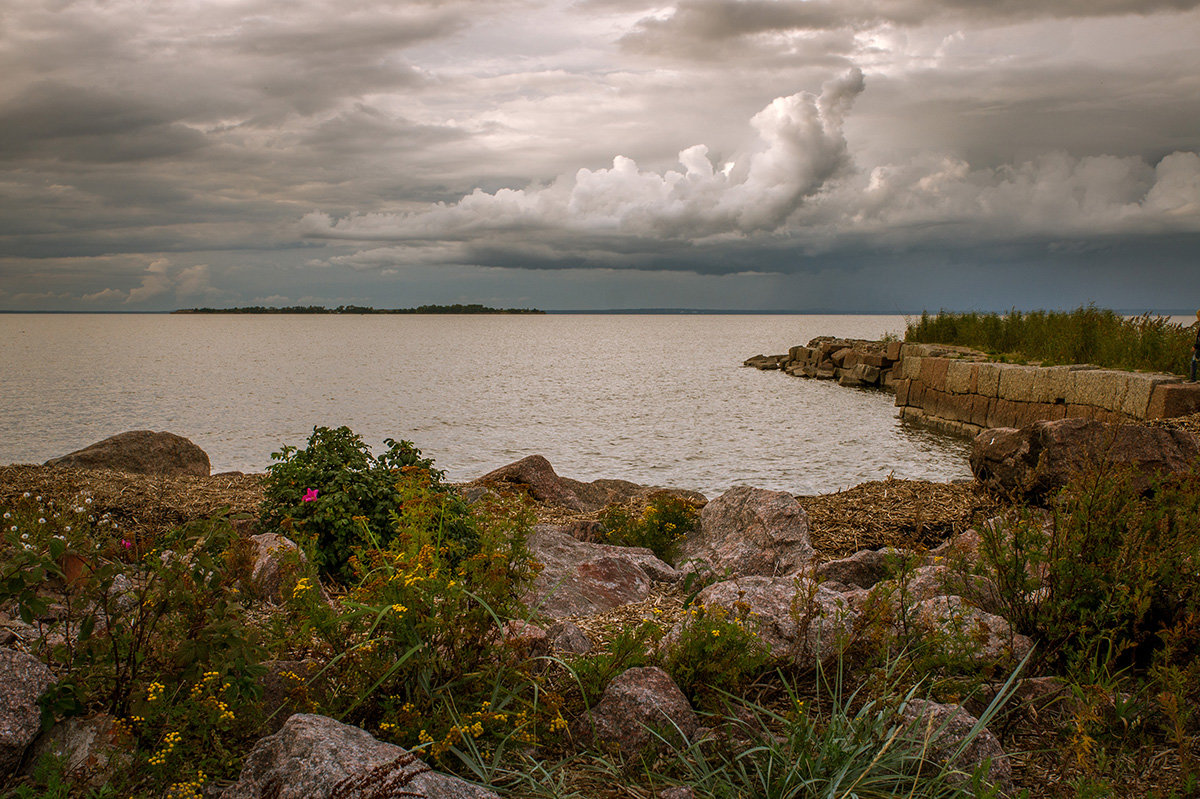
[
  {"x": 65, "y": 529},
  {"x": 39, "y": 499},
  {"x": 24, "y": 536},
  {"x": 88, "y": 500},
  {"x": 26, "y": 495},
  {"x": 7, "y": 515},
  {"x": 42, "y": 521},
  {"x": 13, "y": 528}
]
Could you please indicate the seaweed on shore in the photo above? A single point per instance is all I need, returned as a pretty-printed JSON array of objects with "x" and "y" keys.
[
  {"x": 145, "y": 505},
  {"x": 891, "y": 512}
]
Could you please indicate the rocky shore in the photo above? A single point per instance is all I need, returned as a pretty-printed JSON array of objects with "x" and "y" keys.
[{"x": 821, "y": 576}]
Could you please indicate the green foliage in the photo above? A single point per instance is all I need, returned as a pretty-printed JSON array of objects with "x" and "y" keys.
[
  {"x": 420, "y": 649},
  {"x": 832, "y": 745},
  {"x": 319, "y": 493},
  {"x": 628, "y": 649},
  {"x": 111, "y": 614},
  {"x": 1110, "y": 572},
  {"x": 124, "y": 610},
  {"x": 660, "y": 526},
  {"x": 1085, "y": 335},
  {"x": 717, "y": 650}
]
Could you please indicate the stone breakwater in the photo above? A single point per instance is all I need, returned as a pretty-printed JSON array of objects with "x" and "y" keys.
[
  {"x": 959, "y": 390},
  {"x": 851, "y": 362}
]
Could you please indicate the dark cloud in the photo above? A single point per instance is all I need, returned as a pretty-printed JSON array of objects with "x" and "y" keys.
[
  {"x": 708, "y": 28},
  {"x": 152, "y": 154},
  {"x": 64, "y": 122}
]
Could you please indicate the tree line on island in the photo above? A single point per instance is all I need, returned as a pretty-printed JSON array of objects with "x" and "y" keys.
[{"x": 473, "y": 308}]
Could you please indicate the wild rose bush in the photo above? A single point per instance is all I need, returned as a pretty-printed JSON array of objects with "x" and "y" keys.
[{"x": 318, "y": 494}]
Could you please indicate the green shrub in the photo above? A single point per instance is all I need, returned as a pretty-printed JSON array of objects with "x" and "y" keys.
[
  {"x": 660, "y": 526},
  {"x": 118, "y": 620},
  {"x": 630, "y": 648},
  {"x": 418, "y": 648},
  {"x": 716, "y": 651},
  {"x": 1085, "y": 335},
  {"x": 318, "y": 493},
  {"x": 1112, "y": 572}
]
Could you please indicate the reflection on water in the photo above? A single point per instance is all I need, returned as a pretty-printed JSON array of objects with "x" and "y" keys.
[{"x": 653, "y": 399}]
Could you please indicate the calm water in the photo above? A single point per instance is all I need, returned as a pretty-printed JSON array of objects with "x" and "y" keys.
[{"x": 653, "y": 399}]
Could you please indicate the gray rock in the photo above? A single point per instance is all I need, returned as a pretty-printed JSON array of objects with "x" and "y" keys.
[
  {"x": 636, "y": 702},
  {"x": 751, "y": 531},
  {"x": 475, "y": 493},
  {"x": 582, "y": 579},
  {"x": 536, "y": 477},
  {"x": 566, "y": 636},
  {"x": 141, "y": 452},
  {"x": 23, "y": 678},
  {"x": 86, "y": 747},
  {"x": 314, "y": 757},
  {"x": 976, "y": 634},
  {"x": 528, "y": 639},
  {"x": 797, "y": 618},
  {"x": 678, "y": 792},
  {"x": 862, "y": 569},
  {"x": 941, "y": 730},
  {"x": 273, "y": 556}
]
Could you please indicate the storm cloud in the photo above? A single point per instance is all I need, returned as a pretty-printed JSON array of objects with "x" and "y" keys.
[{"x": 528, "y": 151}]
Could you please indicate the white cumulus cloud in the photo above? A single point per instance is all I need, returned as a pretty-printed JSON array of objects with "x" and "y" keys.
[{"x": 800, "y": 148}]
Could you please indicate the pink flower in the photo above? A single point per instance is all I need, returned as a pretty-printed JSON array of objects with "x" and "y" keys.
[
  {"x": 309, "y": 495},
  {"x": 126, "y": 544}
]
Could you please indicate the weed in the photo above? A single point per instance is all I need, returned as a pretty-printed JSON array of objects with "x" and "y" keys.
[
  {"x": 660, "y": 526},
  {"x": 715, "y": 647},
  {"x": 1085, "y": 335}
]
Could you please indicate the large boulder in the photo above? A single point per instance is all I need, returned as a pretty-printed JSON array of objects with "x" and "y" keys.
[
  {"x": 799, "y": 619},
  {"x": 314, "y": 757},
  {"x": 582, "y": 579},
  {"x": 940, "y": 730},
  {"x": 23, "y": 678},
  {"x": 637, "y": 704},
  {"x": 751, "y": 531},
  {"x": 1036, "y": 460},
  {"x": 535, "y": 476},
  {"x": 142, "y": 452},
  {"x": 862, "y": 569}
]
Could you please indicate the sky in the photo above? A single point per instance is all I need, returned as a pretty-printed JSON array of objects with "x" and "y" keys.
[{"x": 882, "y": 156}]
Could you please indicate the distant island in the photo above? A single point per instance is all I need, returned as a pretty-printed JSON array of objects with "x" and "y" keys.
[{"x": 474, "y": 308}]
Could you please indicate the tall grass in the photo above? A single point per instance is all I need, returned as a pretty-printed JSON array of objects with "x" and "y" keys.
[{"x": 1086, "y": 335}]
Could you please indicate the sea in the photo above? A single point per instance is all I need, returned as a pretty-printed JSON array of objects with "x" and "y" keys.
[{"x": 655, "y": 399}]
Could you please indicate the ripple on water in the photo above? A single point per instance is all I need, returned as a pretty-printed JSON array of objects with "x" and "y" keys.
[{"x": 658, "y": 399}]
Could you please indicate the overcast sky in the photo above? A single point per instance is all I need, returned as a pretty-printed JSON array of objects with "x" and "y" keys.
[{"x": 857, "y": 155}]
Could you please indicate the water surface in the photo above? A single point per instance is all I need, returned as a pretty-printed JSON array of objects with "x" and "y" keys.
[{"x": 653, "y": 399}]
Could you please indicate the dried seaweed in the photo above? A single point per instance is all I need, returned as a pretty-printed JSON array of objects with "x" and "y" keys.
[
  {"x": 146, "y": 505},
  {"x": 1190, "y": 423},
  {"x": 891, "y": 512}
]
